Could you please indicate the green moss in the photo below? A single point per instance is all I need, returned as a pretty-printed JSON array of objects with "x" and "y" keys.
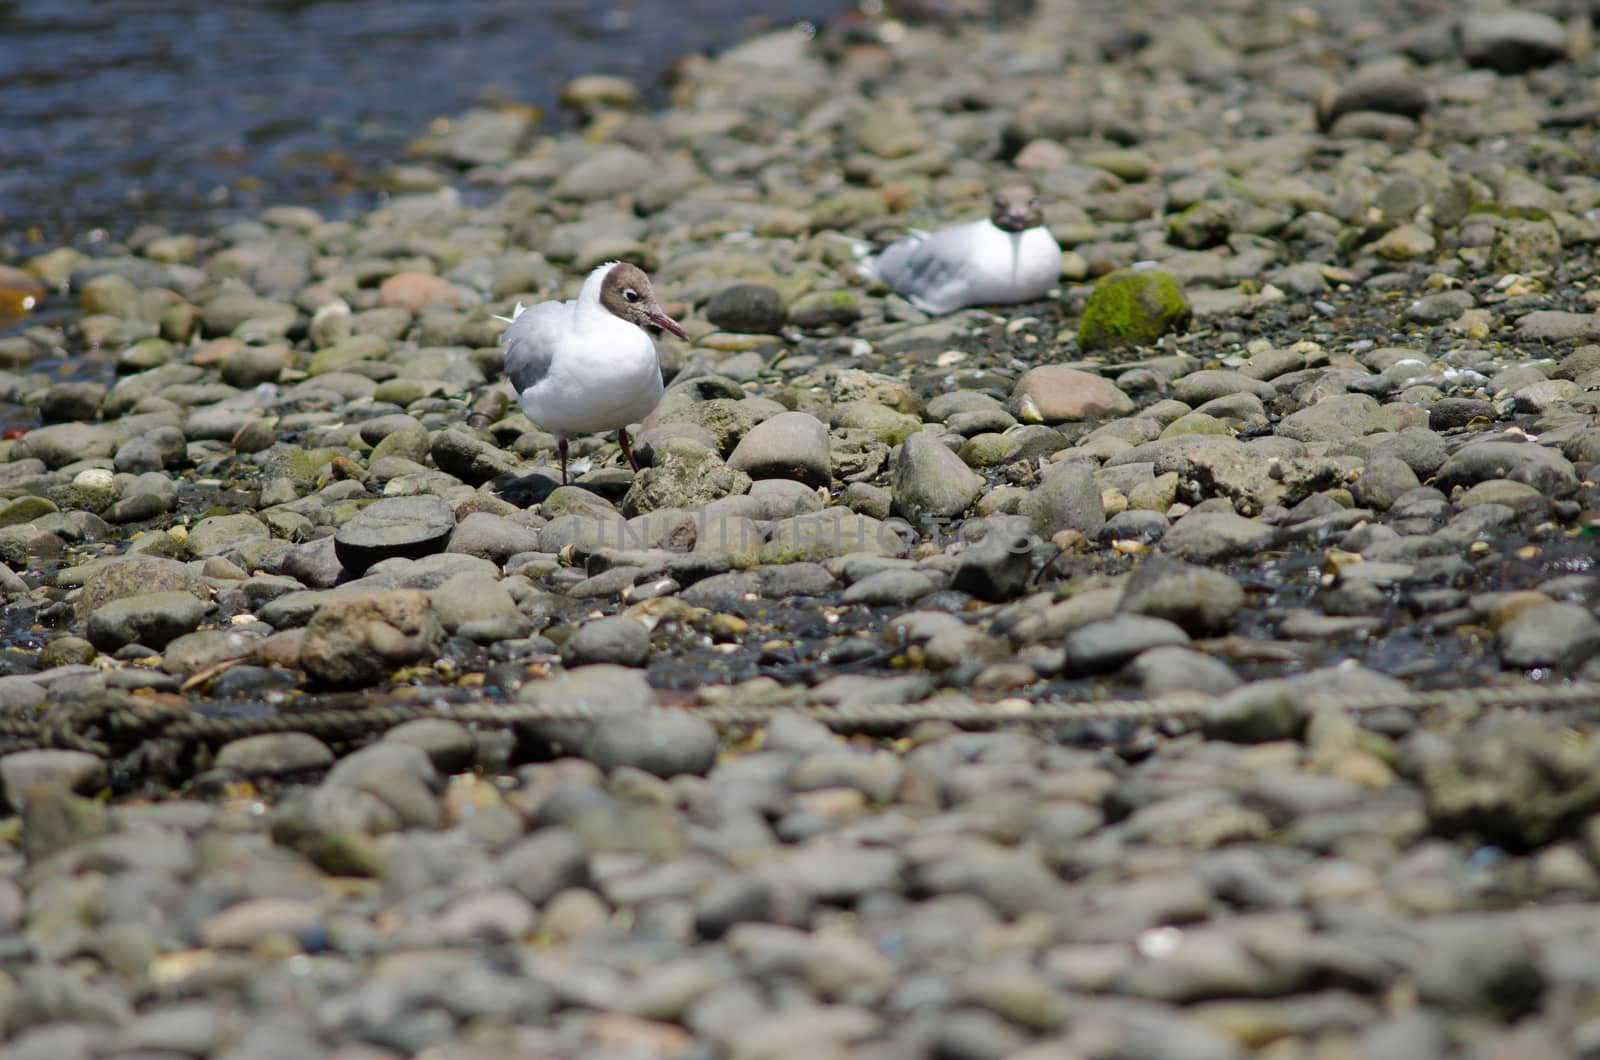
[
  {"x": 823, "y": 309},
  {"x": 25, "y": 510},
  {"x": 1129, "y": 306}
]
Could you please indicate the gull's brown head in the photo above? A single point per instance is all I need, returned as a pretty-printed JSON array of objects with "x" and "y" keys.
[
  {"x": 1016, "y": 209},
  {"x": 626, "y": 293}
]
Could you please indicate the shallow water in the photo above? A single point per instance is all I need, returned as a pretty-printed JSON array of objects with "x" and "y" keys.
[{"x": 188, "y": 113}]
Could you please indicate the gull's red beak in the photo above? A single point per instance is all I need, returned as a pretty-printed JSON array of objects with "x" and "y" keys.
[{"x": 666, "y": 323}]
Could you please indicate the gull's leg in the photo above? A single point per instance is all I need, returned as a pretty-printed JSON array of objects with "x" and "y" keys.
[
  {"x": 561, "y": 448},
  {"x": 622, "y": 439}
]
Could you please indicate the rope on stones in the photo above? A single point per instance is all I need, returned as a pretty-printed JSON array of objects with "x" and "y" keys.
[{"x": 102, "y": 727}]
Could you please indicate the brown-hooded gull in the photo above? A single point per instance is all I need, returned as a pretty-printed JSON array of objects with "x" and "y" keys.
[
  {"x": 589, "y": 365},
  {"x": 1010, "y": 257}
]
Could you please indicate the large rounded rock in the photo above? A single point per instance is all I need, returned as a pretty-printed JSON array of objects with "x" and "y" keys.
[
  {"x": 753, "y": 308},
  {"x": 1511, "y": 42},
  {"x": 133, "y": 575},
  {"x": 475, "y": 606},
  {"x": 405, "y": 527},
  {"x": 1384, "y": 88},
  {"x": 791, "y": 445},
  {"x": 616, "y": 639},
  {"x": 151, "y": 619},
  {"x": 1067, "y": 499},
  {"x": 221, "y": 533},
  {"x": 1106, "y": 645},
  {"x": 275, "y": 754},
  {"x": 359, "y": 639},
  {"x": 1527, "y": 462},
  {"x": 663, "y": 742},
  {"x": 21, "y": 771},
  {"x": 931, "y": 482},
  {"x": 1551, "y": 635},
  {"x": 1334, "y": 418},
  {"x": 1055, "y": 393},
  {"x": 1200, "y": 600},
  {"x": 1131, "y": 307},
  {"x": 820, "y": 310}
]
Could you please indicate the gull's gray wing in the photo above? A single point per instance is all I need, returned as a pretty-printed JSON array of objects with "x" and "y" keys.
[
  {"x": 922, "y": 269},
  {"x": 530, "y": 344}
]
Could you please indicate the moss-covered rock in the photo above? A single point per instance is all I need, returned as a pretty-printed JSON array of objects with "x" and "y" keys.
[
  {"x": 824, "y": 309},
  {"x": 1132, "y": 306}
]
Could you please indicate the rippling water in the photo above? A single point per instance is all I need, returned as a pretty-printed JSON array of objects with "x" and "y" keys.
[{"x": 188, "y": 112}]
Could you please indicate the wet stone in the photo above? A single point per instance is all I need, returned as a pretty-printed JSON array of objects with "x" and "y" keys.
[{"x": 403, "y": 527}]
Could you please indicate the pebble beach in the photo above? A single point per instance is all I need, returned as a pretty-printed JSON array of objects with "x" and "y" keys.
[{"x": 1278, "y": 516}]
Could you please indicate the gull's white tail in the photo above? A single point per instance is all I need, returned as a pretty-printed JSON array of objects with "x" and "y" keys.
[{"x": 515, "y": 313}]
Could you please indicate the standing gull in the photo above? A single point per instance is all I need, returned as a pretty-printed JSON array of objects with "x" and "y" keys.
[
  {"x": 1009, "y": 258},
  {"x": 589, "y": 365}
]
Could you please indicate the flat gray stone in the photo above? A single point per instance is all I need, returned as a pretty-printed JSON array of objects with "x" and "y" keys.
[{"x": 404, "y": 527}]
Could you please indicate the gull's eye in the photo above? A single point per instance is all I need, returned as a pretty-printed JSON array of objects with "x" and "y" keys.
[{"x": 631, "y": 295}]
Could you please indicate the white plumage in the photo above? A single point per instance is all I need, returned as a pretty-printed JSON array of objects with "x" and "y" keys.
[
  {"x": 1008, "y": 258},
  {"x": 588, "y": 365}
]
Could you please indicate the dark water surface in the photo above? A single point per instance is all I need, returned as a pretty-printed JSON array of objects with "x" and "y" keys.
[{"x": 191, "y": 112}]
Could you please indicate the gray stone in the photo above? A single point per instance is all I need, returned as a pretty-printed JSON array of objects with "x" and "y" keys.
[
  {"x": 150, "y": 619},
  {"x": 996, "y": 567},
  {"x": 405, "y": 527},
  {"x": 469, "y": 458},
  {"x": 609, "y": 171},
  {"x": 616, "y": 639},
  {"x": 1067, "y": 498},
  {"x": 493, "y": 537},
  {"x": 153, "y": 450},
  {"x": 1201, "y": 601},
  {"x": 930, "y": 481},
  {"x": 1206, "y": 537},
  {"x": 222, "y": 533},
  {"x": 1525, "y": 462},
  {"x": 449, "y": 745},
  {"x": 1337, "y": 417},
  {"x": 1382, "y": 481},
  {"x": 1103, "y": 646},
  {"x": 21, "y": 771},
  {"x": 275, "y": 754},
  {"x": 1385, "y": 88},
  {"x": 358, "y": 639},
  {"x": 60, "y": 444},
  {"x": 1511, "y": 42},
  {"x": 1550, "y": 635},
  {"x": 750, "y": 308},
  {"x": 203, "y": 649},
  {"x": 790, "y": 445},
  {"x": 665, "y": 743},
  {"x": 126, "y": 576},
  {"x": 1163, "y": 671},
  {"x": 476, "y": 606}
]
